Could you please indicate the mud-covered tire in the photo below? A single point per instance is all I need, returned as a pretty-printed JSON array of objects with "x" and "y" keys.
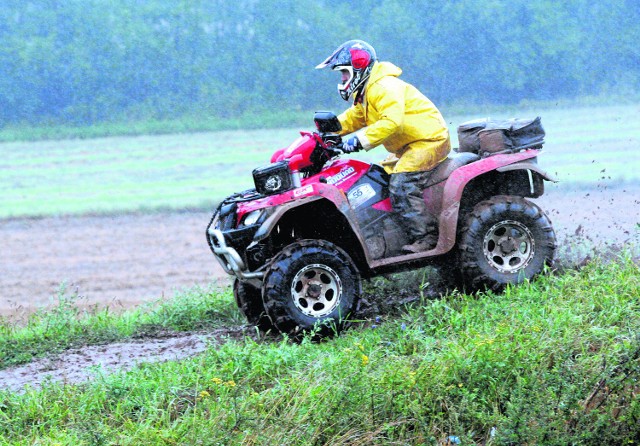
[
  {"x": 249, "y": 301},
  {"x": 505, "y": 240},
  {"x": 311, "y": 285}
]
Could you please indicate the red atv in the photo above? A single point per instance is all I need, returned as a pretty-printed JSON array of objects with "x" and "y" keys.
[{"x": 315, "y": 225}]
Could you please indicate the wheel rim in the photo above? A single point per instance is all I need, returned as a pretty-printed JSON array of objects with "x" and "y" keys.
[
  {"x": 316, "y": 290},
  {"x": 509, "y": 246}
]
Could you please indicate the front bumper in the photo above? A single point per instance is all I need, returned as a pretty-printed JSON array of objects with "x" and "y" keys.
[{"x": 229, "y": 257}]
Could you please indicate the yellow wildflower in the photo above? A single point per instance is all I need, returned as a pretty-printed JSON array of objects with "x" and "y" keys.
[
  {"x": 204, "y": 394},
  {"x": 231, "y": 383},
  {"x": 216, "y": 380},
  {"x": 365, "y": 360}
]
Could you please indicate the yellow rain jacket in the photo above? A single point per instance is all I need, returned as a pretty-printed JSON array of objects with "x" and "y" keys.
[{"x": 395, "y": 114}]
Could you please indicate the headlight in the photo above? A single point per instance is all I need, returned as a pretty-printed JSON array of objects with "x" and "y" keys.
[
  {"x": 273, "y": 179},
  {"x": 252, "y": 217}
]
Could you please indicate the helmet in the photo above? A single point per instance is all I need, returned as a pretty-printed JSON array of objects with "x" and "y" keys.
[{"x": 355, "y": 56}]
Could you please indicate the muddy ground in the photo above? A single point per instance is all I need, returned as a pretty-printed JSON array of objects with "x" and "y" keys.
[
  {"x": 122, "y": 261},
  {"x": 91, "y": 362}
]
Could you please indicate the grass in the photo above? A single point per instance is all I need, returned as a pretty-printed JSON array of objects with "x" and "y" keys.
[
  {"x": 194, "y": 170},
  {"x": 135, "y": 126},
  {"x": 128, "y": 173},
  {"x": 66, "y": 326},
  {"x": 555, "y": 361}
]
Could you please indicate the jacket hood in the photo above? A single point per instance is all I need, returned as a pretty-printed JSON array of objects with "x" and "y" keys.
[{"x": 382, "y": 69}]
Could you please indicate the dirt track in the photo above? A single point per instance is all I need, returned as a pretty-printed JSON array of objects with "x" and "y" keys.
[
  {"x": 118, "y": 261},
  {"x": 121, "y": 261}
]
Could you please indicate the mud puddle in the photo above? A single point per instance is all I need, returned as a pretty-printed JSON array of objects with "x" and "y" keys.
[{"x": 83, "y": 364}]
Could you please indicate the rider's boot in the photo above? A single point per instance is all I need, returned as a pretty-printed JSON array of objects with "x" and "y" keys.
[
  {"x": 424, "y": 244},
  {"x": 407, "y": 199},
  {"x": 427, "y": 241}
]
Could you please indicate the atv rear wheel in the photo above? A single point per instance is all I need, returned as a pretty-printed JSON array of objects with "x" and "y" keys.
[
  {"x": 505, "y": 240},
  {"x": 311, "y": 284},
  {"x": 249, "y": 301}
]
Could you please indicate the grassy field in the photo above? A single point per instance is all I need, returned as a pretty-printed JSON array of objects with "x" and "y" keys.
[
  {"x": 553, "y": 362},
  {"x": 115, "y": 174},
  {"x": 556, "y": 361}
]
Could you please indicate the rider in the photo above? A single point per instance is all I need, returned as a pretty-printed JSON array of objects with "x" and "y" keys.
[{"x": 389, "y": 111}]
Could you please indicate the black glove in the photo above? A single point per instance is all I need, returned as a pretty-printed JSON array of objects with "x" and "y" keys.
[{"x": 351, "y": 145}]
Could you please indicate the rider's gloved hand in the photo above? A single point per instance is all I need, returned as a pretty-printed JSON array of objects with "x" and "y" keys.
[{"x": 351, "y": 145}]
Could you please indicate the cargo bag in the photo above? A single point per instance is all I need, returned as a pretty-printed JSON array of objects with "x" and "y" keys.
[
  {"x": 488, "y": 137},
  {"x": 469, "y": 135}
]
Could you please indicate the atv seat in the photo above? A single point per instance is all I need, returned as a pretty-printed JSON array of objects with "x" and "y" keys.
[{"x": 453, "y": 161}]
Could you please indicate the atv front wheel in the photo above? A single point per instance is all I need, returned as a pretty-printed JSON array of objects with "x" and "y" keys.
[
  {"x": 311, "y": 284},
  {"x": 505, "y": 240},
  {"x": 249, "y": 301}
]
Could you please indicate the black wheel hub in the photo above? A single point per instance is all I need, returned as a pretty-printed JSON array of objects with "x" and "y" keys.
[
  {"x": 314, "y": 290},
  {"x": 507, "y": 246}
]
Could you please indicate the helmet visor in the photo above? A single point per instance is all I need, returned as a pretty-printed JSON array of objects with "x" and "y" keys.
[{"x": 329, "y": 60}]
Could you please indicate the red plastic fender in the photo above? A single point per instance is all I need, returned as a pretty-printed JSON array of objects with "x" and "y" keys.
[
  {"x": 300, "y": 197},
  {"x": 458, "y": 180}
]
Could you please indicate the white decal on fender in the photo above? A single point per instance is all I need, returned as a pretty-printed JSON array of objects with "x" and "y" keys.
[
  {"x": 302, "y": 191},
  {"x": 358, "y": 196},
  {"x": 341, "y": 176}
]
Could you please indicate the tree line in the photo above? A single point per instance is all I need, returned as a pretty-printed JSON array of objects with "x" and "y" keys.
[{"x": 87, "y": 61}]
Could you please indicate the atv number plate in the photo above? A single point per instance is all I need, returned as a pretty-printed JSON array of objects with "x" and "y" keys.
[{"x": 358, "y": 196}]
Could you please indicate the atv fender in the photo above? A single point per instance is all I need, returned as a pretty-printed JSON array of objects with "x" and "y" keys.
[
  {"x": 309, "y": 194},
  {"x": 459, "y": 179},
  {"x": 531, "y": 167}
]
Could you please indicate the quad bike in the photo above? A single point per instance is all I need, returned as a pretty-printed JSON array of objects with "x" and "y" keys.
[{"x": 316, "y": 225}]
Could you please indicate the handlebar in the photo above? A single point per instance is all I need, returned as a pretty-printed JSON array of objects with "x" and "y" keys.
[
  {"x": 335, "y": 151},
  {"x": 333, "y": 143}
]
